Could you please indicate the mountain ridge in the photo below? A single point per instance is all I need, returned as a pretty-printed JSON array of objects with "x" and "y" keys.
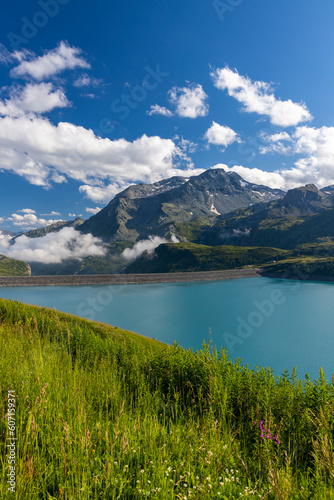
[{"x": 145, "y": 209}]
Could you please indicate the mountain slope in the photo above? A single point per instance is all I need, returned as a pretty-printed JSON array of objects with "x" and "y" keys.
[
  {"x": 12, "y": 267},
  {"x": 303, "y": 216},
  {"x": 189, "y": 257},
  {"x": 53, "y": 228},
  {"x": 160, "y": 208}
]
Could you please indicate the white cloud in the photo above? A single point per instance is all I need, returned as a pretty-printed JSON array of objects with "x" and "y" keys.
[
  {"x": 258, "y": 176},
  {"x": 102, "y": 193},
  {"x": 142, "y": 246},
  {"x": 51, "y": 63},
  {"x": 93, "y": 210},
  {"x": 87, "y": 81},
  {"x": 54, "y": 248},
  {"x": 315, "y": 148},
  {"x": 281, "y": 136},
  {"x": 258, "y": 97},
  {"x": 159, "y": 110},
  {"x": 189, "y": 101},
  {"x": 5, "y": 55},
  {"x": 51, "y": 213},
  {"x": 148, "y": 246},
  {"x": 221, "y": 135},
  {"x": 27, "y": 211},
  {"x": 314, "y": 165},
  {"x": 186, "y": 145},
  {"x": 29, "y": 219},
  {"x": 37, "y": 150},
  {"x": 4, "y": 241},
  {"x": 33, "y": 98}
]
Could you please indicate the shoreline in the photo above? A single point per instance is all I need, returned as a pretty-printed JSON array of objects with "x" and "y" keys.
[
  {"x": 297, "y": 277},
  {"x": 130, "y": 279}
]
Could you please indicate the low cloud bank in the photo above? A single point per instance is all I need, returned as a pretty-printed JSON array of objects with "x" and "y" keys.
[
  {"x": 236, "y": 233},
  {"x": 53, "y": 248},
  {"x": 4, "y": 241},
  {"x": 147, "y": 246}
]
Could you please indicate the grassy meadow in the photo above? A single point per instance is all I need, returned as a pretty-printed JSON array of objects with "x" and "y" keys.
[
  {"x": 12, "y": 267},
  {"x": 105, "y": 413}
]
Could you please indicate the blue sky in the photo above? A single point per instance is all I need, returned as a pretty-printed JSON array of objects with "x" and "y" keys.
[{"x": 95, "y": 97}]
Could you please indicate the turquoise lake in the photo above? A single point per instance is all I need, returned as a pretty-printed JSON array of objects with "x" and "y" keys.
[{"x": 264, "y": 321}]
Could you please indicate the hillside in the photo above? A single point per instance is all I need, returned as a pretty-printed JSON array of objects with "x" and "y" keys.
[
  {"x": 303, "y": 215},
  {"x": 190, "y": 257},
  {"x": 12, "y": 267},
  {"x": 107, "y": 413},
  {"x": 53, "y": 228},
  {"x": 164, "y": 207}
]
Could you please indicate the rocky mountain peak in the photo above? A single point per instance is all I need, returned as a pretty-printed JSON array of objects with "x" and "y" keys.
[{"x": 306, "y": 195}]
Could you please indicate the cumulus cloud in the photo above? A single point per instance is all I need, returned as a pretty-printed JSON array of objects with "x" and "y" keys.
[
  {"x": 5, "y": 55},
  {"x": 159, "y": 110},
  {"x": 93, "y": 210},
  {"x": 185, "y": 145},
  {"x": 27, "y": 211},
  {"x": 51, "y": 63},
  {"x": 51, "y": 213},
  {"x": 39, "y": 151},
  {"x": 4, "y": 241},
  {"x": 54, "y": 248},
  {"x": 147, "y": 246},
  {"x": 190, "y": 101},
  {"x": 33, "y": 98},
  {"x": 29, "y": 219},
  {"x": 221, "y": 135},
  {"x": 85, "y": 80},
  {"x": 236, "y": 233},
  {"x": 258, "y": 97}
]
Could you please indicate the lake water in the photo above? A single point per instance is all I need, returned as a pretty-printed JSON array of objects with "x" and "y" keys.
[{"x": 264, "y": 321}]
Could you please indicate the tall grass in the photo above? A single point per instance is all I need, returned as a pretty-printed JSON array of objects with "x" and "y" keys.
[{"x": 103, "y": 413}]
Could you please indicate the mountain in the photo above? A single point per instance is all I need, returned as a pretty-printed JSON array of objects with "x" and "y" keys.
[
  {"x": 53, "y": 228},
  {"x": 12, "y": 267},
  {"x": 303, "y": 215},
  {"x": 174, "y": 205},
  {"x": 8, "y": 233},
  {"x": 189, "y": 257},
  {"x": 328, "y": 189}
]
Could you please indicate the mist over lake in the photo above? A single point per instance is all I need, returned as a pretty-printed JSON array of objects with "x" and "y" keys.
[{"x": 264, "y": 321}]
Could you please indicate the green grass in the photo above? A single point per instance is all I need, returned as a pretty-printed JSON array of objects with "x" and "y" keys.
[
  {"x": 303, "y": 267},
  {"x": 105, "y": 413},
  {"x": 191, "y": 257},
  {"x": 12, "y": 267}
]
